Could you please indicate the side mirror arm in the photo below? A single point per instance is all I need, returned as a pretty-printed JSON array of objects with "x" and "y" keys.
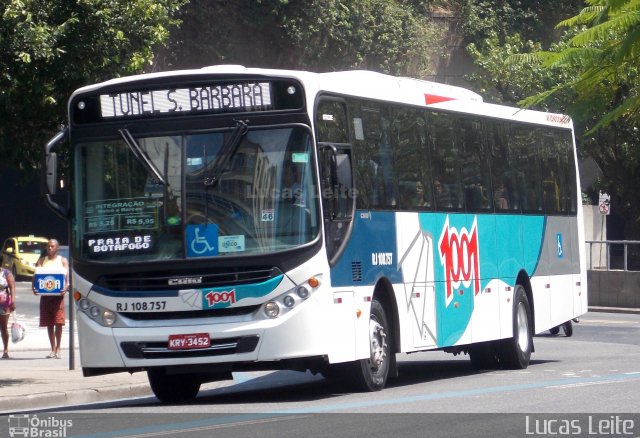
[{"x": 51, "y": 174}]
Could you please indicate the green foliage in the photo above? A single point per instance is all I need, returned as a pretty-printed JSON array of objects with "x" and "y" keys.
[
  {"x": 597, "y": 77},
  {"x": 530, "y": 19},
  {"x": 319, "y": 35},
  {"x": 604, "y": 53},
  {"x": 49, "y": 48},
  {"x": 381, "y": 35},
  {"x": 498, "y": 81}
]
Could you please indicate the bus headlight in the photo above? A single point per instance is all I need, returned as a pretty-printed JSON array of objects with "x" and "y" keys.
[
  {"x": 108, "y": 317},
  {"x": 289, "y": 301},
  {"x": 302, "y": 292},
  {"x": 271, "y": 309},
  {"x": 84, "y": 304},
  {"x": 101, "y": 315}
]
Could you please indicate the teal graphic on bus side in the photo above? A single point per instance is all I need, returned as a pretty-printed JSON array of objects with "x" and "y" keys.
[{"x": 468, "y": 254}]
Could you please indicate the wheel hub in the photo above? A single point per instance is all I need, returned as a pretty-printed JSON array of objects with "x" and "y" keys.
[
  {"x": 378, "y": 338},
  {"x": 523, "y": 328}
]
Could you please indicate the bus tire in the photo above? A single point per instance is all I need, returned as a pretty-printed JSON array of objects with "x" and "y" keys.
[
  {"x": 173, "y": 388},
  {"x": 554, "y": 330},
  {"x": 567, "y": 327},
  {"x": 515, "y": 352},
  {"x": 371, "y": 374}
]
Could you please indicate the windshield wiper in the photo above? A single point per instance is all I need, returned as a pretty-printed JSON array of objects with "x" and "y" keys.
[
  {"x": 141, "y": 156},
  {"x": 227, "y": 152}
]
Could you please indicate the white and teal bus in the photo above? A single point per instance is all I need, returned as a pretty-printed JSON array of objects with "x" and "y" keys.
[{"x": 230, "y": 219}]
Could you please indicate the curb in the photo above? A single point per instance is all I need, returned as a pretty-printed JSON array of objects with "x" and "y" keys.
[
  {"x": 52, "y": 399},
  {"x": 629, "y": 310}
]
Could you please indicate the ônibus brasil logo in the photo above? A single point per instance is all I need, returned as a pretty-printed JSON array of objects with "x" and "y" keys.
[{"x": 459, "y": 257}]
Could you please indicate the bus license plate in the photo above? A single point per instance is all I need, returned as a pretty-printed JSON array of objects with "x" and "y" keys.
[{"x": 189, "y": 341}]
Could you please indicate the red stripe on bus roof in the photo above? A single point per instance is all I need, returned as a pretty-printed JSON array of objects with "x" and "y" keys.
[{"x": 432, "y": 98}]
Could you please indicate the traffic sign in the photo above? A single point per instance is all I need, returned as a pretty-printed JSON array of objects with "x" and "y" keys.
[{"x": 604, "y": 203}]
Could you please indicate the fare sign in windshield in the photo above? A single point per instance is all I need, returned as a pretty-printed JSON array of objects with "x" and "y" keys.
[{"x": 248, "y": 96}]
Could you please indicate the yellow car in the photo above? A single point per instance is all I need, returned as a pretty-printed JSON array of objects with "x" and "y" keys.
[{"x": 20, "y": 254}]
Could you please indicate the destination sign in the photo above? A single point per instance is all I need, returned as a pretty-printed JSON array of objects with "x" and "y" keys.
[{"x": 247, "y": 96}]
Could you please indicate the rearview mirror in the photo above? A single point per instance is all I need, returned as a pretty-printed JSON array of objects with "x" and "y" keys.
[{"x": 51, "y": 169}]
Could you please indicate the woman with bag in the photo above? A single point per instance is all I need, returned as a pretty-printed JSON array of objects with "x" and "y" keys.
[{"x": 7, "y": 305}]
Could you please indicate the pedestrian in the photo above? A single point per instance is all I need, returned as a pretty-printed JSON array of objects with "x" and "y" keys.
[
  {"x": 7, "y": 305},
  {"x": 52, "y": 306}
]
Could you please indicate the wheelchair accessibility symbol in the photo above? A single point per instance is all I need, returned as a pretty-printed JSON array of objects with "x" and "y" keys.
[
  {"x": 560, "y": 246},
  {"x": 202, "y": 240}
]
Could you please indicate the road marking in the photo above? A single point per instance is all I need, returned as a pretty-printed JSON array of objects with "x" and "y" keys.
[
  {"x": 285, "y": 413},
  {"x": 581, "y": 384},
  {"x": 613, "y": 378},
  {"x": 607, "y": 321}
]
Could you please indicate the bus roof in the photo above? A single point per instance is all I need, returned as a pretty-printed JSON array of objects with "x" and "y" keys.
[{"x": 367, "y": 84}]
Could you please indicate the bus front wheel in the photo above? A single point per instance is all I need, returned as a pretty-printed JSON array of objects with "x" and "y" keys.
[
  {"x": 515, "y": 352},
  {"x": 173, "y": 388},
  {"x": 371, "y": 374}
]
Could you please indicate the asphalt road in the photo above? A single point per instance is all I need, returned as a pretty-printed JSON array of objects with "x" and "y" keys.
[{"x": 589, "y": 384}]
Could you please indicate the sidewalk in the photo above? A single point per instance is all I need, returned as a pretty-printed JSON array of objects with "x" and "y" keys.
[{"x": 30, "y": 381}]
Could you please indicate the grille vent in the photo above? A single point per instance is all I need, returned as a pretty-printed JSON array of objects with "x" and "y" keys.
[
  {"x": 159, "y": 280},
  {"x": 356, "y": 271}
]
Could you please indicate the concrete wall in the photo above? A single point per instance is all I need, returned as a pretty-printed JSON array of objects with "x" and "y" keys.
[
  {"x": 595, "y": 228},
  {"x": 606, "y": 288},
  {"x": 614, "y": 288}
]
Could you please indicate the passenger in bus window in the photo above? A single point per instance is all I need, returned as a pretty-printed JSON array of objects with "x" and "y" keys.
[
  {"x": 476, "y": 198},
  {"x": 420, "y": 199},
  {"x": 292, "y": 185},
  {"x": 500, "y": 197},
  {"x": 443, "y": 196}
]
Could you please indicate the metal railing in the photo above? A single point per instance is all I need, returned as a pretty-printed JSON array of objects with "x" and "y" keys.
[{"x": 613, "y": 255}]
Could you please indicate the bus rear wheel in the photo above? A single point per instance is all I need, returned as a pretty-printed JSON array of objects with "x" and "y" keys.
[
  {"x": 515, "y": 352},
  {"x": 173, "y": 388},
  {"x": 371, "y": 374},
  {"x": 567, "y": 327}
]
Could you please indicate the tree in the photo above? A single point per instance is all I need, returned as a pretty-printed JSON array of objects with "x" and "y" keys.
[
  {"x": 49, "y": 48},
  {"x": 592, "y": 74},
  {"x": 605, "y": 52},
  {"x": 390, "y": 36}
]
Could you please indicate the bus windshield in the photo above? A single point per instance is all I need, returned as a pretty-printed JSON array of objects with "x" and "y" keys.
[{"x": 215, "y": 194}]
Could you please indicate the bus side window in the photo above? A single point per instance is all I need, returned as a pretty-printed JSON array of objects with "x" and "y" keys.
[
  {"x": 475, "y": 168},
  {"x": 505, "y": 191},
  {"x": 445, "y": 153},
  {"x": 411, "y": 159},
  {"x": 526, "y": 163},
  {"x": 550, "y": 178},
  {"x": 368, "y": 169}
]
